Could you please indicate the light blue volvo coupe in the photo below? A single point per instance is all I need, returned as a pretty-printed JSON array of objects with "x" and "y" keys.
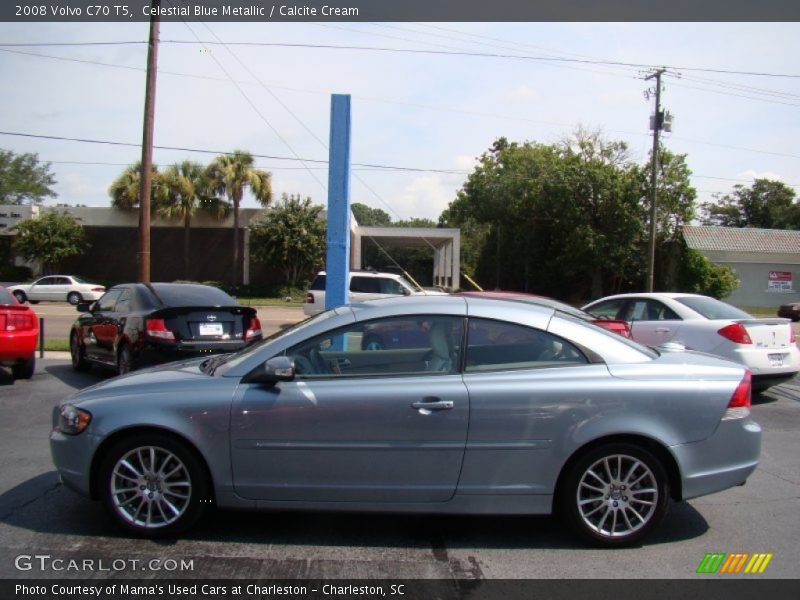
[{"x": 474, "y": 405}]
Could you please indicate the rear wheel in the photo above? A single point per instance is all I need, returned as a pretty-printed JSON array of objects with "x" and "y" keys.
[
  {"x": 20, "y": 296},
  {"x": 615, "y": 494},
  {"x": 77, "y": 353},
  {"x": 24, "y": 369},
  {"x": 153, "y": 485},
  {"x": 74, "y": 298}
]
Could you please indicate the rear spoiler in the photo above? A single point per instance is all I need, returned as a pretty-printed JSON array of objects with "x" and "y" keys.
[{"x": 169, "y": 311}]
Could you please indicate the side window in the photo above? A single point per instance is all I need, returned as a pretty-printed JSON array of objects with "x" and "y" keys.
[
  {"x": 46, "y": 281},
  {"x": 411, "y": 345},
  {"x": 501, "y": 346},
  {"x": 607, "y": 310},
  {"x": 658, "y": 311},
  {"x": 390, "y": 286},
  {"x": 108, "y": 301},
  {"x": 124, "y": 302},
  {"x": 636, "y": 311},
  {"x": 365, "y": 285},
  {"x": 63, "y": 281}
]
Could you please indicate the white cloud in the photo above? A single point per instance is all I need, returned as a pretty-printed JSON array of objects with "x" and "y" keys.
[
  {"x": 753, "y": 174},
  {"x": 426, "y": 197}
]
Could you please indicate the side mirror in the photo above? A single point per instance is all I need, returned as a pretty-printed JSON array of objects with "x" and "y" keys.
[
  {"x": 277, "y": 368},
  {"x": 83, "y": 307},
  {"x": 406, "y": 292}
]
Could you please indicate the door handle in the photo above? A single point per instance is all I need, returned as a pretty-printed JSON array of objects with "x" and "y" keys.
[
  {"x": 433, "y": 404},
  {"x": 662, "y": 330}
]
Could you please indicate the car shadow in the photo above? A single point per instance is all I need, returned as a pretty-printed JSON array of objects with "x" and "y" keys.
[
  {"x": 78, "y": 379},
  {"x": 44, "y": 505}
]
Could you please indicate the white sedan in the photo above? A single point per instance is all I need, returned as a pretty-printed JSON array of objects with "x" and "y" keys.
[
  {"x": 58, "y": 288},
  {"x": 768, "y": 347}
]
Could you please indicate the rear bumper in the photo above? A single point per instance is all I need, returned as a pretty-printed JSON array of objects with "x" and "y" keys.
[
  {"x": 724, "y": 460},
  {"x": 157, "y": 353},
  {"x": 17, "y": 346},
  {"x": 760, "y": 365}
]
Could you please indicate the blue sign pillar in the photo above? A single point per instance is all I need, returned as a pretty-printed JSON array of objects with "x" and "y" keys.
[{"x": 337, "y": 261}]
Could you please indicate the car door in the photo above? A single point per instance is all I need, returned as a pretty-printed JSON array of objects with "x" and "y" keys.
[
  {"x": 652, "y": 322},
  {"x": 42, "y": 289},
  {"x": 100, "y": 327},
  {"x": 356, "y": 425}
]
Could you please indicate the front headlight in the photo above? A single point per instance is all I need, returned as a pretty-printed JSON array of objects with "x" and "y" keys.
[{"x": 72, "y": 420}]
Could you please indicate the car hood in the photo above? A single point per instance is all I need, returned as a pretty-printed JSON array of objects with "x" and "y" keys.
[{"x": 164, "y": 379}]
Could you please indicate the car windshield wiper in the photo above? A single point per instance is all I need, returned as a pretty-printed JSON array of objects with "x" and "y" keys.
[{"x": 210, "y": 365}]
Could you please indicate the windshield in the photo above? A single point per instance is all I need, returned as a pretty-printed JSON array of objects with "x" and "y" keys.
[
  {"x": 712, "y": 309},
  {"x": 234, "y": 359}
]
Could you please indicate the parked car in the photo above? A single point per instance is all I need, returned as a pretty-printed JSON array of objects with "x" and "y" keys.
[
  {"x": 57, "y": 288},
  {"x": 364, "y": 285},
  {"x": 138, "y": 324},
  {"x": 615, "y": 325},
  {"x": 543, "y": 412},
  {"x": 19, "y": 332},
  {"x": 790, "y": 311},
  {"x": 768, "y": 347}
]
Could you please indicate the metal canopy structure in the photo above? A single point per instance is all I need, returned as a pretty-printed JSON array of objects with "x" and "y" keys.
[{"x": 445, "y": 244}]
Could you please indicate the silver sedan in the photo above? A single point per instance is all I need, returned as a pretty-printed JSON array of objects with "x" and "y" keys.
[{"x": 480, "y": 406}]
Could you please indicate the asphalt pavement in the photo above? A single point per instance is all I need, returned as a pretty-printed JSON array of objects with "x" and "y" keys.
[{"x": 39, "y": 517}]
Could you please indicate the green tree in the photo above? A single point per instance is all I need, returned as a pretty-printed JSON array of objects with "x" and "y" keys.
[
  {"x": 767, "y": 204},
  {"x": 367, "y": 216},
  {"x": 23, "y": 179},
  {"x": 186, "y": 190},
  {"x": 676, "y": 195},
  {"x": 292, "y": 237},
  {"x": 50, "y": 239},
  {"x": 698, "y": 275},
  {"x": 231, "y": 174},
  {"x": 124, "y": 190}
]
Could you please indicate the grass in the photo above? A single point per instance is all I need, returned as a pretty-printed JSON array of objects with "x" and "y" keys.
[
  {"x": 55, "y": 345},
  {"x": 294, "y": 302}
]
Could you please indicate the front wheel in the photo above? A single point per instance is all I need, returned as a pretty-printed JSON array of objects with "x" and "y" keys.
[
  {"x": 153, "y": 485},
  {"x": 615, "y": 494}
]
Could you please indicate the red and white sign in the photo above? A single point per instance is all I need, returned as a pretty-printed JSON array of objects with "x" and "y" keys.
[{"x": 780, "y": 281}]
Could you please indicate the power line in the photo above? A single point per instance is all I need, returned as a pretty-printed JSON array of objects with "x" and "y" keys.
[{"x": 417, "y": 51}]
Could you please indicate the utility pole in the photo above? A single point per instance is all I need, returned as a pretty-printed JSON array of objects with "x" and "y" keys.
[
  {"x": 658, "y": 122},
  {"x": 145, "y": 179}
]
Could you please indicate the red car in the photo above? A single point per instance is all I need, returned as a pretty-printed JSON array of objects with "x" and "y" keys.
[
  {"x": 619, "y": 327},
  {"x": 19, "y": 331}
]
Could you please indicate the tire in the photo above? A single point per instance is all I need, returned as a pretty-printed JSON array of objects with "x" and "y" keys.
[
  {"x": 125, "y": 361},
  {"x": 20, "y": 296},
  {"x": 74, "y": 298},
  {"x": 77, "y": 353},
  {"x": 153, "y": 485},
  {"x": 25, "y": 369},
  {"x": 615, "y": 494}
]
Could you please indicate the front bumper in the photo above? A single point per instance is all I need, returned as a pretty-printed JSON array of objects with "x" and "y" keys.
[{"x": 721, "y": 461}]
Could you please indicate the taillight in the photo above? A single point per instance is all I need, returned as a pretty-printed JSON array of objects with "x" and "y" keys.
[
  {"x": 98, "y": 289},
  {"x": 17, "y": 321},
  {"x": 736, "y": 333},
  {"x": 309, "y": 298},
  {"x": 157, "y": 328},
  {"x": 254, "y": 330},
  {"x": 739, "y": 404},
  {"x": 792, "y": 335}
]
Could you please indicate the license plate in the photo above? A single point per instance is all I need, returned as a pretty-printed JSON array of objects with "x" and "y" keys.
[
  {"x": 210, "y": 328},
  {"x": 776, "y": 360}
]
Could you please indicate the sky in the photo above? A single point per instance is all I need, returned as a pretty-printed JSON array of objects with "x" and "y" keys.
[{"x": 427, "y": 115}]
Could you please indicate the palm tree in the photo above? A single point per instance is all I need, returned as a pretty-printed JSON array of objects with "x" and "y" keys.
[
  {"x": 186, "y": 189},
  {"x": 124, "y": 191},
  {"x": 230, "y": 174}
]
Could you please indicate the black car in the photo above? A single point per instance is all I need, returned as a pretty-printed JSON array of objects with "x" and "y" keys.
[
  {"x": 139, "y": 324},
  {"x": 790, "y": 311}
]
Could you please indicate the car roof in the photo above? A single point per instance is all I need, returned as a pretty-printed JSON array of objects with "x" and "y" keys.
[{"x": 653, "y": 295}]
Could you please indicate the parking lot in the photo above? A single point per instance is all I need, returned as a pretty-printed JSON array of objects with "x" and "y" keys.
[{"x": 38, "y": 516}]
